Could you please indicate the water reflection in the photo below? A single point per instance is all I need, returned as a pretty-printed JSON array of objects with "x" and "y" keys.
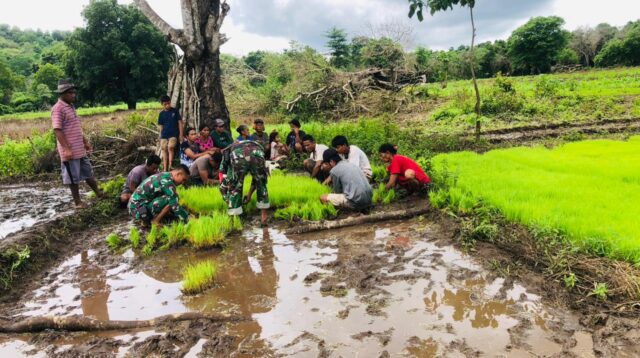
[{"x": 94, "y": 290}]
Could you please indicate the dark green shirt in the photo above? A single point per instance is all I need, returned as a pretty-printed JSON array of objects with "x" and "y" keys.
[{"x": 221, "y": 140}]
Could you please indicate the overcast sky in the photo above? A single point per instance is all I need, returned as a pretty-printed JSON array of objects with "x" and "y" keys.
[{"x": 271, "y": 24}]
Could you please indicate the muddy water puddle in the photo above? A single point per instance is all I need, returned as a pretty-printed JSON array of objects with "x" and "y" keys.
[
  {"x": 384, "y": 290},
  {"x": 23, "y": 206}
]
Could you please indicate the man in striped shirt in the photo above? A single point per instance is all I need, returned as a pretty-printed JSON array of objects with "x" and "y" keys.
[{"x": 72, "y": 144}]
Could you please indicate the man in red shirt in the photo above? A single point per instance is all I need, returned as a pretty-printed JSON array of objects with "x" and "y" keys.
[
  {"x": 72, "y": 144},
  {"x": 402, "y": 170}
]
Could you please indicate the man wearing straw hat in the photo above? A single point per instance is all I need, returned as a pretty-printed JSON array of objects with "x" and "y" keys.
[{"x": 73, "y": 146}]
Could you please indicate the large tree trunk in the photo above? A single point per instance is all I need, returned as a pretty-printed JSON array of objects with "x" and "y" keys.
[
  {"x": 473, "y": 74},
  {"x": 196, "y": 78}
]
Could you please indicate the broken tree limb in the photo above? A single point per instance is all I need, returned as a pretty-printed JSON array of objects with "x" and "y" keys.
[
  {"x": 356, "y": 220},
  {"x": 79, "y": 323}
]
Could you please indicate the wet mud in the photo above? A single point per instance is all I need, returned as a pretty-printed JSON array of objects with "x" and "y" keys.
[
  {"x": 23, "y": 206},
  {"x": 390, "y": 289}
]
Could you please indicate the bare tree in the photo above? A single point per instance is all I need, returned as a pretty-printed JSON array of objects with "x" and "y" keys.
[
  {"x": 397, "y": 30},
  {"x": 196, "y": 77},
  {"x": 585, "y": 41}
]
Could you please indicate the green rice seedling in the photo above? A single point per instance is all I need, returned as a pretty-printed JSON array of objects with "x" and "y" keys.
[
  {"x": 113, "y": 187},
  {"x": 114, "y": 241},
  {"x": 383, "y": 196},
  {"x": 312, "y": 211},
  {"x": 152, "y": 237},
  {"x": 173, "y": 234},
  {"x": 379, "y": 173},
  {"x": 600, "y": 290},
  {"x": 587, "y": 190},
  {"x": 202, "y": 200},
  {"x": 209, "y": 231},
  {"x": 197, "y": 278},
  {"x": 134, "y": 237}
]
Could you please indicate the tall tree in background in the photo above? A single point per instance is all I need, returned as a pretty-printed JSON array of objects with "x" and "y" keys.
[
  {"x": 585, "y": 41},
  {"x": 197, "y": 80},
  {"x": 339, "y": 47},
  {"x": 118, "y": 56},
  {"x": 416, "y": 6},
  {"x": 534, "y": 47}
]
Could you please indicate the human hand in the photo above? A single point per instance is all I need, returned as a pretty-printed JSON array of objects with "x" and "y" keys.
[
  {"x": 88, "y": 147},
  {"x": 66, "y": 153}
]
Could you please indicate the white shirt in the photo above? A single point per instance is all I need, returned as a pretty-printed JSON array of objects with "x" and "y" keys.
[
  {"x": 317, "y": 154},
  {"x": 359, "y": 159}
]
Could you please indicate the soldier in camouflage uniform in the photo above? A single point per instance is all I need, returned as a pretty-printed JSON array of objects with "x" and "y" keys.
[
  {"x": 238, "y": 160},
  {"x": 156, "y": 197}
]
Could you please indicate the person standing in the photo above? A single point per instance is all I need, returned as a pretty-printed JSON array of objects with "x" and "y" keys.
[
  {"x": 157, "y": 196},
  {"x": 221, "y": 137},
  {"x": 137, "y": 175},
  {"x": 352, "y": 154},
  {"x": 238, "y": 160},
  {"x": 72, "y": 145},
  {"x": 171, "y": 131},
  {"x": 351, "y": 188}
]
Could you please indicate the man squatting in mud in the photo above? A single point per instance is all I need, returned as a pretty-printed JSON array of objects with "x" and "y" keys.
[{"x": 238, "y": 160}]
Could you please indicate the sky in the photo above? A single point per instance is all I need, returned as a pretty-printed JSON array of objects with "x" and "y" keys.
[{"x": 272, "y": 24}]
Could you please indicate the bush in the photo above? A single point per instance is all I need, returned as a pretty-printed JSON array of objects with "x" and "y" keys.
[
  {"x": 546, "y": 86},
  {"x": 19, "y": 158}
]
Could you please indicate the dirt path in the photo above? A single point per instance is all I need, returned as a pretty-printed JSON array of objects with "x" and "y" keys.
[{"x": 389, "y": 289}]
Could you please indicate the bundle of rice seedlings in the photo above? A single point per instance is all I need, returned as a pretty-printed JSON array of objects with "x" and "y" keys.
[
  {"x": 134, "y": 237},
  {"x": 383, "y": 196},
  {"x": 312, "y": 211},
  {"x": 113, "y": 241},
  {"x": 379, "y": 173},
  {"x": 152, "y": 238},
  {"x": 197, "y": 278},
  {"x": 173, "y": 234},
  {"x": 209, "y": 231}
]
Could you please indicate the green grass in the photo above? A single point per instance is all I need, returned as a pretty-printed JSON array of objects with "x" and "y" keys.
[
  {"x": 589, "y": 190},
  {"x": 20, "y": 157},
  {"x": 197, "y": 278},
  {"x": 83, "y": 111}
]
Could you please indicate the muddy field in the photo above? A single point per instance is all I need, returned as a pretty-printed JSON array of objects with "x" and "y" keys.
[{"x": 391, "y": 289}]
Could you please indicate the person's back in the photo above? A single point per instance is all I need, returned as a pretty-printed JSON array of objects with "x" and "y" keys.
[
  {"x": 349, "y": 179},
  {"x": 137, "y": 175},
  {"x": 358, "y": 158}
]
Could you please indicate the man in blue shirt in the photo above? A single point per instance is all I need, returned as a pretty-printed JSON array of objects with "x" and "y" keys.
[{"x": 171, "y": 131}]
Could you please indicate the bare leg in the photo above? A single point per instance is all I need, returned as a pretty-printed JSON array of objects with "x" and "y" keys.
[
  {"x": 93, "y": 183},
  {"x": 264, "y": 217},
  {"x": 171, "y": 152},
  {"x": 161, "y": 215},
  {"x": 165, "y": 159},
  {"x": 75, "y": 193}
]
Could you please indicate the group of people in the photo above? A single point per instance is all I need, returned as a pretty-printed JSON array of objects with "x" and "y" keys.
[{"x": 214, "y": 158}]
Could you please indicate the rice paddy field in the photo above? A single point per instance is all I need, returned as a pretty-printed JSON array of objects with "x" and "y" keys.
[{"x": 588, "y": 190}]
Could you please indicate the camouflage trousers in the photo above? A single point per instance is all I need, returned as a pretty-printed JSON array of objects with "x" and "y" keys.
[
  {"x": 146, "y": 211},
  {"x": 233, "y": 184}
]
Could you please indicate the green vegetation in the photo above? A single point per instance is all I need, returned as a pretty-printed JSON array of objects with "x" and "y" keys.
[
  {"x": 197, "y": 278},
  {"x": 113, "y": 187},
  {"x": 311, "y": 210},
  {"x": 600, "y": 291},
  {"x": 17, "y": 258},
  {"x": 210, "y": 231},
  {"x": 82, "y": 111},
  {"x": 152, "y": 237},
  {"x": 587, "y": 191},
  {"x": 383, "y": 196},
  {"x": 114, "y": 241},
  {"x": 134, "y": 237}
]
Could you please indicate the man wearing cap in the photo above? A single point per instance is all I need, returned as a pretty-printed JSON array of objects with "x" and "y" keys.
[
  {"x": 72, "y": 145},
  {"x": 221, "y": 138},
  {"x": 351, "y": 188}
]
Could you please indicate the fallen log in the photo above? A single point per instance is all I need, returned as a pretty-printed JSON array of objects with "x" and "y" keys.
[
  {"x": 356, "y": 220},
  {"x": 78, "y": 323}
]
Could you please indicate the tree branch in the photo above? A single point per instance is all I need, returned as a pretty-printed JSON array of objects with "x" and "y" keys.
[{"x": 175, "y": 36}]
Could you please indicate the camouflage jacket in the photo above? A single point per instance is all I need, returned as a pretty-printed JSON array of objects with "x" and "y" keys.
[{"x": 156, "y": 186}]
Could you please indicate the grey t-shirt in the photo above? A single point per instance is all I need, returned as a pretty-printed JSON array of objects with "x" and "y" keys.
[
  {"x": 201, "y": 164},
  {"x": 349, "y": 180},
  {"x": 136, "y": 176}
]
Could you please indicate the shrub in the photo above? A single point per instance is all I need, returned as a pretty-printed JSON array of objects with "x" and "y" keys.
[
  {"x": 19, "y": 158},
  {"x": 197, "y": 278}
]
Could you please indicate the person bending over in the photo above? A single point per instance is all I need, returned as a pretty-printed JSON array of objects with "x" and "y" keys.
[
  {"x": 137, "y": 175},
  {"x": 313, "y": 165},
  {"x": 238, "y": 160},
  {"x": 157, "y": 196},
  {"x": 204, "y": 171},
  {"x": 402, "y": 171},
  {"x": 352, "y": 154},
  {"x": 351, "y": 188}
]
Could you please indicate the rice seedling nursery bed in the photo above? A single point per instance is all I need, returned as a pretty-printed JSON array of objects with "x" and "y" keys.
[{"x": 589, "y": 190}]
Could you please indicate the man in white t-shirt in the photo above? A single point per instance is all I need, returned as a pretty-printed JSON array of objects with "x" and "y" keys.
[
  {"x": 313, "y": 165},
  {"x": 352, "y": 154}
]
